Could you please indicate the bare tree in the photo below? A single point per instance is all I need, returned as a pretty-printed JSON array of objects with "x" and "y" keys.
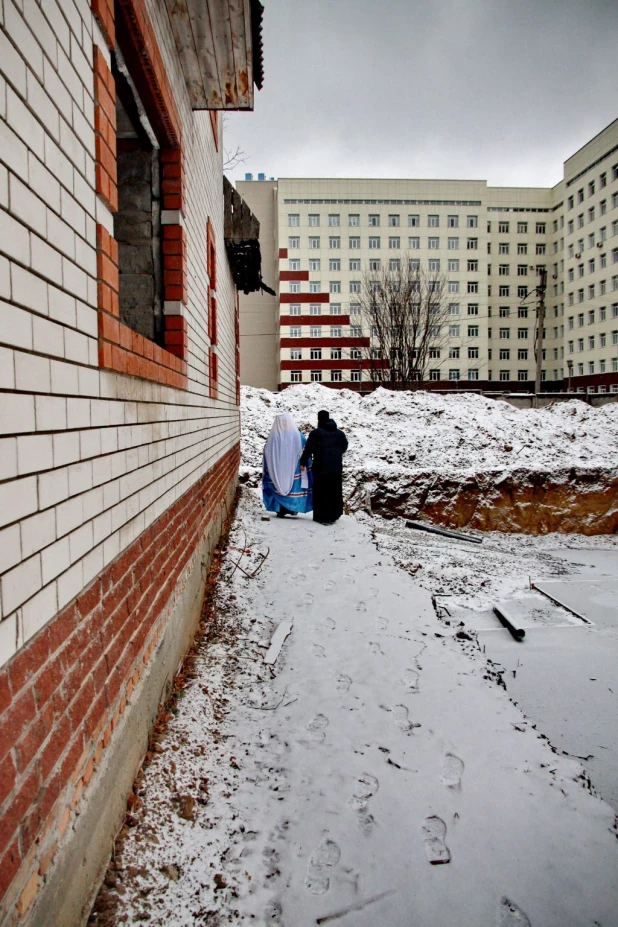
[
  {"x": 231, "y": 159},
  {"x": 405, "y": 312}
]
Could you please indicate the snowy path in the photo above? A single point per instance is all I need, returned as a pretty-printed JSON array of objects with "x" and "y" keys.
[{"x": 377, "y": 749}]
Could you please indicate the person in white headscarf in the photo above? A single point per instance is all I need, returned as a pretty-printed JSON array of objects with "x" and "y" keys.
[{"x": 285, "y": 490}]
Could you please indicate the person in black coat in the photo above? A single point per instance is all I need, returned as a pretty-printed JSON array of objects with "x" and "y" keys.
[{"x": 326, "y": 444}]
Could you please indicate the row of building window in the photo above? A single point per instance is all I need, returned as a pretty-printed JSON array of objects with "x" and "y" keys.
[
  {"x": 316, "y": 353},
  {"x": 595, "y": 239},
  {"x": 374, "y": 220},
  {"x": 579, "y": 196},
  {"x": 579, "y": 295},
  {"x": 296, "y": 376},
  {"x": 394, "y": 264},
  {"x": 453, "y": 309},
  {"x": 604, "y": 367},
  {"x": 594, "y": 316},
  {"x": 454, "y": 374},
  {"x": 591, "y": 215},
  {"x": 504, "y": 247},
  {"x": 375, "y": 243},
  {"x": 336, "y": 376},
  {"x": 355, "y": 286},
  {"x": 436, "y": 331},
  {"x": 504, "y": 228},
  {"x": 592, "y": 265},
  {"x": 594, "y": 341}
]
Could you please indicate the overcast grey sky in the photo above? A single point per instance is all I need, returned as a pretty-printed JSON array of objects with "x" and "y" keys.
[{"x": 498, "y": 90}]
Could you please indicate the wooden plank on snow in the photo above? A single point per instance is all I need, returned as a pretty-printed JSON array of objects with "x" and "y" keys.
[{"x": 277, "y": 642}]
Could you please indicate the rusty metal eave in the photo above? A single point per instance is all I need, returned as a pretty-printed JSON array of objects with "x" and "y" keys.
[{"x": 219, "y": 44}]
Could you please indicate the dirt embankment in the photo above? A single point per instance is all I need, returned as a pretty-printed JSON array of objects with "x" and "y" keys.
[{"x": 573, "y": 500}]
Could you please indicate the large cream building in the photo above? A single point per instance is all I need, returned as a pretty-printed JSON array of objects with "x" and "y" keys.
[{"x": 319, "y": 236}]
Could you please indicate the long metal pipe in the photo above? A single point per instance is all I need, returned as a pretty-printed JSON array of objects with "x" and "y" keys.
[
  {"x": 420, "y": 526},
  {"x": 518, "y": 633}
]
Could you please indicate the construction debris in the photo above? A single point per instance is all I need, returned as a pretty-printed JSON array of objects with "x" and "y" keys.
[
  {"x": 517, "y": 633},
  {"x": 277, "y": 642},
  {"x": 421, "y": 526}
]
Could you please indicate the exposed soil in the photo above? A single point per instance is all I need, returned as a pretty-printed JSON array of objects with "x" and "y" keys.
[{"x": 581, "y": 501}]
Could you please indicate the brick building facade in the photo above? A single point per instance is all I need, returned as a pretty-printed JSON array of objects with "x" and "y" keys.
[
  {"x": 119, "y": 419},
  {"x": 488, "y": 244}
]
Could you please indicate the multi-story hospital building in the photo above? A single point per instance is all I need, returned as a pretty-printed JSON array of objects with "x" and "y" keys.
[{"x": 319, "y": 236}]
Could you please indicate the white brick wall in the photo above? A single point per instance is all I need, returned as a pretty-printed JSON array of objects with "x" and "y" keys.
[{"x": 88, "y": 458}]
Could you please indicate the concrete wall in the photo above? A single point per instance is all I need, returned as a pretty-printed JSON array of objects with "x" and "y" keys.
[
  {"x": 259, "y": 312},
  {"x": 531, "y": 401}
]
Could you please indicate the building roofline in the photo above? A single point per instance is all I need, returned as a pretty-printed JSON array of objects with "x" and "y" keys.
[
  {"x": 391, "y": 179},
  {"x": 590, "y": 140}
]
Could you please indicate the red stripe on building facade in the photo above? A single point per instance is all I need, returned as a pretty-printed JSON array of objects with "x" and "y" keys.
[
  {"x": 314, "y": 320},
  {"x": 304, "y": 298},
  {"x": 294, "y": 275},
  {"x": 346, "y": 342}
]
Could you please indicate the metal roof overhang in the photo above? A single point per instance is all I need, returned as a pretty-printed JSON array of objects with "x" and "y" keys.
[{"x": 219, "y": 44}]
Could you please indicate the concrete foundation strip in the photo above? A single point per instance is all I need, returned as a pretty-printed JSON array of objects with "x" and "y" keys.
[{"x": 554, "y": 598}]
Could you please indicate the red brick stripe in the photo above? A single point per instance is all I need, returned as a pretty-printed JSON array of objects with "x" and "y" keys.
[
  {"x": 103, "y": 11},
  {"x": 174, "y": 263},
  {"x": 173, "y": 183},
  {"x": 105, "y": 130},
  {"x": 68, "y": 686}
]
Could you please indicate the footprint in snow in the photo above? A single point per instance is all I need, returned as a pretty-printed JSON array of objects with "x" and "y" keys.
[
  {"x": 317, "y": 728},
  {"x": 375, "y": 648},
  {"x": 323, "y": 858},
  {"x": 343, "y": 683},
  {"x": 452, "y": 772},
  {"x": 329, "y": 585},
  {"x": 410, "y": 680},
  {"x": 510, "y": 915},
  {"x": 306, "y": 601},
  {"x": 317, "y": 651},
  {"x": 329, "y": 624},
  {"x": 365, "y": 788},
  {"x": 434, "y": 833},
  {"x": 402, "y": 719},
  {"x": 273, "y": 913},
  {"x": 361, "y": 607},
  {"x": 382, "y": 623}
]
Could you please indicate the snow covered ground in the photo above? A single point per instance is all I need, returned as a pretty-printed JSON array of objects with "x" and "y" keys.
[{"x": 377, "y": 773}]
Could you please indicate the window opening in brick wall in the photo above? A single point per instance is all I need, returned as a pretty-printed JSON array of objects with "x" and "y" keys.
[{"x": 137, "y": 224}]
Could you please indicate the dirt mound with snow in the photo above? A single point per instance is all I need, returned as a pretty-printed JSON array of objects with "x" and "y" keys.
[{"x": 460, "y": 460}]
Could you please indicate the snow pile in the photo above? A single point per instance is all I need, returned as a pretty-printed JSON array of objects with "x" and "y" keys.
[{"x": 398, "y": 432}]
